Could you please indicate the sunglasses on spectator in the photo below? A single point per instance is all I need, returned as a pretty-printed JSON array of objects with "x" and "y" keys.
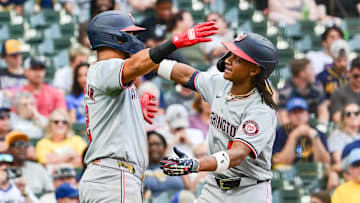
[
  {"x": 356, "y": 164},
  {"x": 4, "y": 115},
  {"x": 349, "y": 113},
  {"x": 355, "y": 76},
  {"x": 20, "y": 144},
  {"x": 59, "y": 121}
]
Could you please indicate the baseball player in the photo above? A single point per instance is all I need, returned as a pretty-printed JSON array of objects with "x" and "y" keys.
[
  {"x": 242, "y": 122},
  {"x": 117, "y": 155}
]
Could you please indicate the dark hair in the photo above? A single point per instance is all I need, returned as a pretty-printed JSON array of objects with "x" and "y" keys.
[
  {"x": 152, "y": 132},
  {"x": 163, "y": 1},
  {"x": 325, "y": 34},
  {"x": 298, "y": 65},
  {"x": 323, "y": 196},
  {"x": 76, "y": 89},
  {"x": 178, "y": 16},
  {"x": 94, "y": 10},
  {"x": 355, "y": 63},
  {"x": 265, "y": 91}
]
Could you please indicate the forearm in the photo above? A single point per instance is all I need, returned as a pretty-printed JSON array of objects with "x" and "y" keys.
[
  {"x": 323, "y": 112},
  {"x": 287, "y": 155},
  {"x": 138, "y": 65},
  {"x": 320, "y": 153}
]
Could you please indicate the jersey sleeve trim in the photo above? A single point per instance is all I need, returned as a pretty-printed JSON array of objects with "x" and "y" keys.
[
  {"x": 194, "y": 81},
  {"x": 249, "y": 145},
  {"x": 127, "y": 85}
]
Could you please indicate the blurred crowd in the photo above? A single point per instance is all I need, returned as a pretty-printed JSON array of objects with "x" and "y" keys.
[{"x": 42, "y": 118}]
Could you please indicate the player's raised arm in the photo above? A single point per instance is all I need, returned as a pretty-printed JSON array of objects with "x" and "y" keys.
[{"x": 149, "y": 59}]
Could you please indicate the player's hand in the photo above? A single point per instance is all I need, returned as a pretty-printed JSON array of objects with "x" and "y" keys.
[
  {"x": 195, "y": 35},
  {"x": 174, "y": 166},
  {"x": 147, "y": 106}
]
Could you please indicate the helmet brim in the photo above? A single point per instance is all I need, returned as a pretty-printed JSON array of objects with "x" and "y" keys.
[
  {"x": 238, "y": 52},
  {"x": 133, "y": 28}
]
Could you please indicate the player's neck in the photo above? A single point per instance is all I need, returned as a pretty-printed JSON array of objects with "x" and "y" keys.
[
  {"x": 108, "y": 53},
  {"x": 241, "y": 88}
]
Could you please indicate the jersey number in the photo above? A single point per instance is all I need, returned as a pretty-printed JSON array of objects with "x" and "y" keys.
[{"x": 88, "y": 132}]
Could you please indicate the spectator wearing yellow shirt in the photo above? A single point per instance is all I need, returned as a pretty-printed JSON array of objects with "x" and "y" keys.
[
  {"x": 349, "y": 191},
  {"x": 60, "y": 145}
]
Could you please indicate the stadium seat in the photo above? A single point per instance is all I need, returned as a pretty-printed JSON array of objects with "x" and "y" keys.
[
  {"x": 5, "y": 18},
  {"x": 290, "y": 196},
  {"x": 352, "y": 26},
  {"x": 307, "y": 27},
  {"x": 16, "y": 31},
  {"x": 285, "y": 56},
  {"x": 259, "y": 27}
]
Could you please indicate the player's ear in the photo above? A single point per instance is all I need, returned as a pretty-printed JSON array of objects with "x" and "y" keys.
[{"x": 255, "y": 70}]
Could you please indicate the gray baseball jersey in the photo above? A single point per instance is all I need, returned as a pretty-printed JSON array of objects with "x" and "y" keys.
[
  {"x": 246, "y": 120},
  {"x": 115, "y": 124}
]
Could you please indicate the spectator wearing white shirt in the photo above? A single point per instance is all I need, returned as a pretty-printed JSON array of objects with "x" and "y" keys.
[{"x": 323, "y": 57}]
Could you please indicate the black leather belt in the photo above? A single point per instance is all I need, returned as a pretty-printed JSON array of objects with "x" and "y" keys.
[{"x": 230, "y": 183}]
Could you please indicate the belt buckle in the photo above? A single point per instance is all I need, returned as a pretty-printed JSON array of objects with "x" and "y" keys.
[
  {"x": 129, "y": 167},
  {"x": 222, "y": 182}
]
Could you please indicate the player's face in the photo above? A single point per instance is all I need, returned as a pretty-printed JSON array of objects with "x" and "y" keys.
[
  {"x": 82, "y": 73},
  {"x": 239, "y": 70}
]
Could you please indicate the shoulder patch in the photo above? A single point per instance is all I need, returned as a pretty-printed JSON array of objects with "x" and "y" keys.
[{"x": 250, "y": 128}]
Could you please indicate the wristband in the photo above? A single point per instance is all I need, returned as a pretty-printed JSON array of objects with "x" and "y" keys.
[
  {"x": 158, "y": 53},
  {"x": 165, "y": 68},
  {"x": 222, "y": 160}
]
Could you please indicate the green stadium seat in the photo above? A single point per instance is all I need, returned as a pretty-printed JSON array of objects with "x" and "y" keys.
[
  {"x": 61, "y": 43},
  {"x": 67, "y": 30},
  {"x": 285, "y": 56},
  {"x": 79, "y": 128},
  {"x": 16, "y": 31},
  {"x": 352, "y": 26},
  {"x": 290, "y": 196},
  {"x": 309, "y": 170},
  {"x": 34, "y": 141},
  {"x": 245, "y": 15},
  {"x": 259, "y": 27},
  {"x": 5, "y": 18}
]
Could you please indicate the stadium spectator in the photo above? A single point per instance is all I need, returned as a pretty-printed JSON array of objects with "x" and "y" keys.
[
  {"x": 63, "y": 173},
  {"x": 181, "y": 22},
  {"x": 214, "y": 50},
  {"x": 179, "y": 134},
  {"x": 194, "y": 180},
  {"x": 334, "y": 75},
  {"x": 302, "y": 84},
  {"x": 134, "y": 6},
  {"x": 4, "y": 121},
  {"x": 323, "y": 57},
  {"x": 349, "y": 191},
  {"x": 75, "y": 100},
  {"x": 160, "y": 21},
  {"x": 347, "y": 133},
  {"x": 60, "y": 145},
  {"x": 98, "y": 6},
  {"x": 10, "y": 192},
  {"x": 156, "y": 181},
  {"x": 201, "y": 119},
  {"x": 181, "y": 95},
  {"x": 26, "y": 118},
  {"x": 63, "y": 78},
  {"x": 320, "y": 197},
  {"x": 8, "y": 5},
  {"x": 35, "y": 175},
  {"x": 67, "y": 193},
  {"x": 349, "y": 93},
  {"x": 298, "y": 141},
  {"x": 289, "y": 12},
  {"x": 47, "y": 97},
  {"x": 13, "y": 75}
]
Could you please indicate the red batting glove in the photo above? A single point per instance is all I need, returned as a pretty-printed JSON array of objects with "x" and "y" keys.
[
  {"x": 146, "y": 106},
  {"x": 195, "y": 35}
]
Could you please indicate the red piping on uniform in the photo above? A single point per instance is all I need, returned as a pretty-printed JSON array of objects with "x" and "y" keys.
[
  {"x": 132, "y": 28},
  {"x": 253, "y": 151},
  {"x": 238, "y": 52},
  {"x": 121, "y": 76},
  {"x": 123, "y": 186}
]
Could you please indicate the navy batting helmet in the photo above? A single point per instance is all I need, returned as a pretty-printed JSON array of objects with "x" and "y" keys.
[
  {"x": 253, "y": 48},
  {"x": 108, "y": 29}
]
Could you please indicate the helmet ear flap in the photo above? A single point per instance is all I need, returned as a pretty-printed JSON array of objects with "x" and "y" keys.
[{"x": 221, "y": 63}]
